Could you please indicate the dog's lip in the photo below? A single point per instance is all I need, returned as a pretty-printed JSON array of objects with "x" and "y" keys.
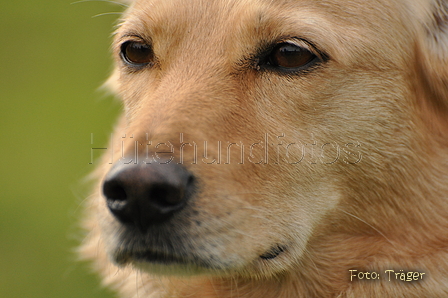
[
  {"x": 274, "y": 252},
  {"x": 148, "y": 256},
  {"x": 156, "y": 257}
]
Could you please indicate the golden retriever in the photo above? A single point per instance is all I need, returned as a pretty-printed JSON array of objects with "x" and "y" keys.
[{"x": 276, "y": 148}]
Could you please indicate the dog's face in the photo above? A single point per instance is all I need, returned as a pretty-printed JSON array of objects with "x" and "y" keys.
[{"x": 279, "y": 118}]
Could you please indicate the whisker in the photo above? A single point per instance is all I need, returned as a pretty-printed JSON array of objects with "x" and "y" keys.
[
  {"x": 106, "y": 13},
  {"x": 379, "y": 232},
  {"x": 108, "y": 1},
  {"x": 210, "y": 278},
  {"x": 137, "y": 275},
  {"x": 309, "y": 256},
  {"x": 247, "y": 193}
]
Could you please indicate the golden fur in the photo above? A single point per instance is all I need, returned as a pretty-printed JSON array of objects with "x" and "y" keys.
[{"x": 353, "y": 177}]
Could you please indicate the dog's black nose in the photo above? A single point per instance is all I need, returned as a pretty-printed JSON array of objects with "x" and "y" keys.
[{"x": 146, "y": 194}]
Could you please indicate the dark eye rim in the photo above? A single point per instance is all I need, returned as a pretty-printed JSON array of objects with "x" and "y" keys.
[
  {"x": 265, "y": 64},
  {"x": 130, "y": 63}
]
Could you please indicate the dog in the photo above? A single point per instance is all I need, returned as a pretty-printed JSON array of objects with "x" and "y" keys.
[{"x": 276, "y": 149}]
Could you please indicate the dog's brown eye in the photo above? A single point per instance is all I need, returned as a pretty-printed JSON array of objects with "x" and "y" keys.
[
  {"x": 288, "y": 55},
  {"x": 136, "y": 53}
]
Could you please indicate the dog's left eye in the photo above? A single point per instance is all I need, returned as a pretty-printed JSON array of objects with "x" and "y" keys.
[
  {"x": 290, "y": 56},
  {"x": 137, "y": 53}
]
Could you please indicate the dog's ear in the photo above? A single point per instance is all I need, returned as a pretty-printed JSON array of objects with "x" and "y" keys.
[{"x": 433, "y": 49}]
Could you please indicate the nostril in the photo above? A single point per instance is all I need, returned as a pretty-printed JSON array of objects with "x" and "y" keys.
[
  {"x": 190, "y": 181},
  {"x": 116, "y": 197},
  {"x": 164, "y": 195},
  {"x": 116, "y": 205},
  {"x": 171, "y": 196},
  {"x": 114, "y": 191}
]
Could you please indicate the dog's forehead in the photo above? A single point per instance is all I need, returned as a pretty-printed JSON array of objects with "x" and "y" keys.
[
  {"x": 338, "y": 27},
  {"x": 174, "y": 16},
  {"x": 185, "y": 12}
]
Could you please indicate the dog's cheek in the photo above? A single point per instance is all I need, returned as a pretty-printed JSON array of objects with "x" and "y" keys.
[
  {"x": 436, "y": 30},
  {"x": 432, "y": 51}
]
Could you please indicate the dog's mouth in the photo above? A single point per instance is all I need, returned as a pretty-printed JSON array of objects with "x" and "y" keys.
[
  {"x": 162, "y": 258},
  {"x": 273, "y": 252},
  {"x": 149, "y": 257},
  {"x": 158, "y": 258}
]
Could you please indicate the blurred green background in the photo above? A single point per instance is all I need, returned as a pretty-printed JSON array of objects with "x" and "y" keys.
[{"x": 54, "y": 55}]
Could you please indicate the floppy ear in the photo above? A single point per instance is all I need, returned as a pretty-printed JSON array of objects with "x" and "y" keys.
[{"x": 434, "y": 51}]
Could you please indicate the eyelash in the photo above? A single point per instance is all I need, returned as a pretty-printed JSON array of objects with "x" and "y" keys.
[{"x": 265, "y": 60}]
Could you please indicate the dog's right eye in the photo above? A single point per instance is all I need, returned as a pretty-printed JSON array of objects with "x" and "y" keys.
[
  {"x": 290, "y": 56},
  {"x": 137, "y": 53}
]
